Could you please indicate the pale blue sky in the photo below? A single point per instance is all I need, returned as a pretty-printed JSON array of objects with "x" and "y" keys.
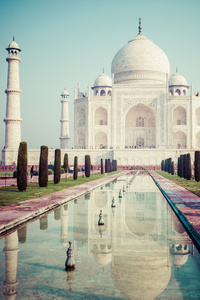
[{"x": 66, "y": 41}]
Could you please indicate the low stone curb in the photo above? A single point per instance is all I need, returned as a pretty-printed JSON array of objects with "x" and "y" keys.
[{"x": 178, "y": 198}]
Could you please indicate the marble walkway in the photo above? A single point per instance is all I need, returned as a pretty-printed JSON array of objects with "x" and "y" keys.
[
  {"x": 17, "y": 214},
  {"x": 185, "y": 204}
]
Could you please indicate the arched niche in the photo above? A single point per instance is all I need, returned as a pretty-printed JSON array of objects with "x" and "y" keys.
[
  {"x": 81, "y": 117},
  {"x": 81, "y": 140},
  {"x": 180, "y": 140},
  {"x": 140, "y": 127},
  {"x": 177, "y": 92},
  {"x": 101, "y": 116},
  {"x": 102, "y": 93},
  {"x": 198, "y": 140},
  {"x": 198, "y": 116},
  {"x": 101, "y": 140},
  {"x": 179, "y": 116}
]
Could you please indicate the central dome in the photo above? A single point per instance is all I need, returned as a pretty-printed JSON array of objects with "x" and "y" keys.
[{"x": 140, "y": 59}]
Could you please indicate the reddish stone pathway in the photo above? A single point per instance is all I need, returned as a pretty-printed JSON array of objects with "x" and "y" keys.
[
  {"x": 185, "y": 204},
  {"x": 16, "y": 214}
]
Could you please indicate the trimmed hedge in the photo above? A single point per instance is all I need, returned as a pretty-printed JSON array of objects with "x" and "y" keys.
[
  {"x": 43, "y": 167},
  {"x": 88, "y": 165},
  {"x": 197, "y": 166},
  {"x": 22, "y": 167},
  {"x": 57, "y": 166},
  {"x": 75, "y": 173}
]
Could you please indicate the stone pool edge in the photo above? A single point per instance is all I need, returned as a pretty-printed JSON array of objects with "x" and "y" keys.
[
  {"x": 180, "y": 212},
  {"x": 16, "y": 214}
]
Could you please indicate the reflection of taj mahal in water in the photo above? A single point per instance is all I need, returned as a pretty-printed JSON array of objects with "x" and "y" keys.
[{"x": 139, "y": 245}]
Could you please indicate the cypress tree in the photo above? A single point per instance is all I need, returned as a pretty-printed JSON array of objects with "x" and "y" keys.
[
  {"x": 185, "y": 166},
  {"x": 197, "y": 166},
  {"x": 43, "y": 167},
  {"x": 181, "y": 165},
  {"x": 189, "y": 170},
  {"x": 169, "y": 165},
  {"x": 101, "y": 166},
  {"x": 172, "y": 168},
  {"x": 57, "y": 166},
  {"x": 106, "y": 165},
  {"x": 115, "y": 165},
  {"x": 87, "y": 165},
  {"x": 66, "y": 163},
  {"x": 22, "y": 167},
  {"x": 178, "y": 167},
  {"x": 75, "y": 174},
  {"x": 165, "y": 168}
]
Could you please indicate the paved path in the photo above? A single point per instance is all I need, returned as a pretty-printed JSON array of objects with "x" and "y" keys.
[
  {"x": 18, "y": 213},
  {"x": 185, "y": 204}
]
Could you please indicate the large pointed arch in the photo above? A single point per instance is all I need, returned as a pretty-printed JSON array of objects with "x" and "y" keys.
[
  {"x": 101, "y": 140},
  {"x": 140, "y": 127},
  {"x": 179, "y": 116},
  {"x": 101, "y": 116},
  {"x": 180, "y": 140}
]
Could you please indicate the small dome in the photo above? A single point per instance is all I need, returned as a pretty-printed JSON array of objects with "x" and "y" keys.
[
  {"x": 13, "y": 45},
  {"x": 140, "y": 59},
  {"x": 65, "y": 93},
  {"x": 102, "y": 81},
  {"x": 177, "y": 79}
]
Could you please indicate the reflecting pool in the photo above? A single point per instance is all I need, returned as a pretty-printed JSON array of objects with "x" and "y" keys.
[{"x": 141, "y": 252}]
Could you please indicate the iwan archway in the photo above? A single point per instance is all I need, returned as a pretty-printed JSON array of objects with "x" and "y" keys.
[{"x": 140, "y": 127}]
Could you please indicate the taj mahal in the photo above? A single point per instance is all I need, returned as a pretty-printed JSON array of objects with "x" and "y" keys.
[{"x": 140, "y": 115}]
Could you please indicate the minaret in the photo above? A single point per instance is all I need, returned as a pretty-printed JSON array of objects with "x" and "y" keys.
[
  {"x": 13, "y": 119},
  {"x": 64, "y": 138}
]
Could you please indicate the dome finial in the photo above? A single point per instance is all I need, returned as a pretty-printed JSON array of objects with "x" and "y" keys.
[
  {"x": 103, "y": 70},
  {"x": 176, "y": 70},
  {"x": 13, "y": 38},
  {"x": 140, "y": 27}
]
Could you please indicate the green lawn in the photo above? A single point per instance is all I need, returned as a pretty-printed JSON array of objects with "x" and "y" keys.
[
  {"x": 190, "y": 185},
  {"x": 10, "y": 194}
]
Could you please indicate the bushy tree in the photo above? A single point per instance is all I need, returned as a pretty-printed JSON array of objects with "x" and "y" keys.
[
  {"x": 197, "y": 166},
  {"x": 66, "y": 163},
  {"x": 87, "y": 165},
  {"x": 57, "y": 166},
  {"x": 43, "y": 167},
  {"x": 75, "y": 173},
  {"x": 101, "y": 166},
  {"x": 22, "y": 167}
]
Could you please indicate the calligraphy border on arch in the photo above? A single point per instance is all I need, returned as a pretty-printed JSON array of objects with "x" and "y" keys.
[{"x": 146, "y": 101}]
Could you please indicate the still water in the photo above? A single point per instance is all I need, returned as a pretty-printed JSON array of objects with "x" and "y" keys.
[{"x": 141, "y": 252}]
